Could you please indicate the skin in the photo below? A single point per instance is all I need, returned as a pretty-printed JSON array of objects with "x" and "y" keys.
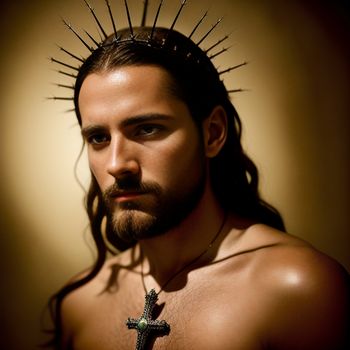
[{"x": 256, "y": 288}]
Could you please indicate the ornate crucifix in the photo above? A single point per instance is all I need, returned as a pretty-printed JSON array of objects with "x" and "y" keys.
[{"x": 145, "y": 325}]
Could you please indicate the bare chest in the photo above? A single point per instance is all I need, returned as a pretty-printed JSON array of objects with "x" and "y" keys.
[{"x": 202, "y": 316}]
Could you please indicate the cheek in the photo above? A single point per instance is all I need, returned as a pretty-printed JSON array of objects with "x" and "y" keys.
[
  {"x": 179, "y": 162},
  {"x": 97, "y": 167}
]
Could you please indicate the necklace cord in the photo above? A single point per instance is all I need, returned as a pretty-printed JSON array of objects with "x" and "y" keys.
[{"x": 186, "y": 265}]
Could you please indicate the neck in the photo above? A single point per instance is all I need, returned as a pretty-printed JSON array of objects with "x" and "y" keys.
[{"x": 166, "y": 254}]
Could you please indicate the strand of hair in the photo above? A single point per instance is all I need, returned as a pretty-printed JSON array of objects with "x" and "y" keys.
[
  {"x": 217, "y": 43},
  {"x": 232, "y": 68},
  {"x": 63, "y": 64},
  {"x": 92, "y": 38},
  {"x": 96, "y": 19},
  {"x": 112, "y": 19},
  {"x": 78, "y": 36},
  {"x": 67, "y": 74},
  {"x": 156, "y": 19},
  {"x": 129, "y": 19},
  {"x": 219, "y": 53},
  {"x": 210, "y": 30},
  {"x": 198, "y": 24},
  {"x": 144, "y": 14},
  {"x": 183, "y": 2},
  {"x": 71, "y": 54}
]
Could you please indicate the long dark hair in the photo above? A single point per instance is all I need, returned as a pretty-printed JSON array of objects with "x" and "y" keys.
[{"x": 195, "y": 81}]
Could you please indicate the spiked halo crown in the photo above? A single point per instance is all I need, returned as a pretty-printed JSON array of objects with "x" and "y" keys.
[{"x": 132, "y": 37}]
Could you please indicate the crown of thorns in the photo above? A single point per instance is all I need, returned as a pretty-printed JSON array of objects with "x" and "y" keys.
[{"x": 150, "y": 41}]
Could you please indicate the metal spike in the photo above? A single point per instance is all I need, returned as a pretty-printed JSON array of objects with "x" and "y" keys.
[
  {"x": 65, "y": 86},
  {"x": 71, "y": 54},
  {"x": 129, "y": 19},
  {"x": 112, "y": 19},
  {"x": 63, "y": 64},
  {"x": 219, "y": 53},
  {"x": 67, "y": 74},
  {"x": 232, "y": 68},
  {"x": 235, "y": 90},
  {"x": 144, "y": 15},
  {"x": 101, "y": 39},
  {"x": 61, "y": 98},
  {"x": 78, "y": 36},
  {"x": 217, "y": 43},
  {"x": 178, "y": 14},
  {"x": 92, "y": 39},
  {"x": 96, "y": 19},
  {"x": 211, "y": 29},
  {"x": 156, "y": 19},
  {"x": 198, "y": 24}
]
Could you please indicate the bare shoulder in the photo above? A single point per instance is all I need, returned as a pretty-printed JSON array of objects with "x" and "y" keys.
[
  {"x": 303, "y": 289},
  {"x": 291, "y": 261},
  {"x": 84, "y": 301}
]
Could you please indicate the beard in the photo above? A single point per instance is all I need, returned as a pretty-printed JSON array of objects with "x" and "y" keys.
[{"x": 156, "y": 210}]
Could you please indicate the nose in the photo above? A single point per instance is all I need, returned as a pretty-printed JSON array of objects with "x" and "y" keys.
[{"x": 122, "y": 159}]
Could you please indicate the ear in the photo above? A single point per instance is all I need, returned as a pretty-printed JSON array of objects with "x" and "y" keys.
[{"x": 214, "y": 131}]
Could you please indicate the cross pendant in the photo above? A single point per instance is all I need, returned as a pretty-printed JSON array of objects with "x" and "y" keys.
[{"x": 145, "y": 325}]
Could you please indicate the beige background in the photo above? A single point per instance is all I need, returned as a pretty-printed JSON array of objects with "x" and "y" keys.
[{"x": 296, "y": 118}]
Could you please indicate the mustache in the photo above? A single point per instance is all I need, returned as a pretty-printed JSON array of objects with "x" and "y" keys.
[{"x": 130, "y": 185}]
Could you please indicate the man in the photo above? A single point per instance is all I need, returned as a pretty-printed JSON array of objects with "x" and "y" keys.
[{"x": 173, "y": 191}]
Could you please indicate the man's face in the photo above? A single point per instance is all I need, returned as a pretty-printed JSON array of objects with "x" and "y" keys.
[{"x": 144, "y": 149}]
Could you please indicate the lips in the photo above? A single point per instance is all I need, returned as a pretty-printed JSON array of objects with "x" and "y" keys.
[{"x": 123, "y": 196}]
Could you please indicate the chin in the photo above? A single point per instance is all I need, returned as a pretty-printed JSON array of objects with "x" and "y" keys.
[{"x": 135, "y": 225}]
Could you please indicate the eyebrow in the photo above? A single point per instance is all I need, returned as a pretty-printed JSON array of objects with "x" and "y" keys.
[
  {"x": 134, "y": 120},
  {"x": 91, "y": 129},
  {"x": 138, "y": 119}
]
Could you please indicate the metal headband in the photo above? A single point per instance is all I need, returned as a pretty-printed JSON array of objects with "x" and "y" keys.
[{"x": 132, "y": 38}]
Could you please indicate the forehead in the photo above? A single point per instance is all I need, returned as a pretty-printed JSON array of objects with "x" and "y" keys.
[{"x": 127, "y": 91}]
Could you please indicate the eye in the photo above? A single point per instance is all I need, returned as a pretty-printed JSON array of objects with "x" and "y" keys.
[
  {"x": 149, "y": 130},
  {"x": 97, "y": 139}
]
